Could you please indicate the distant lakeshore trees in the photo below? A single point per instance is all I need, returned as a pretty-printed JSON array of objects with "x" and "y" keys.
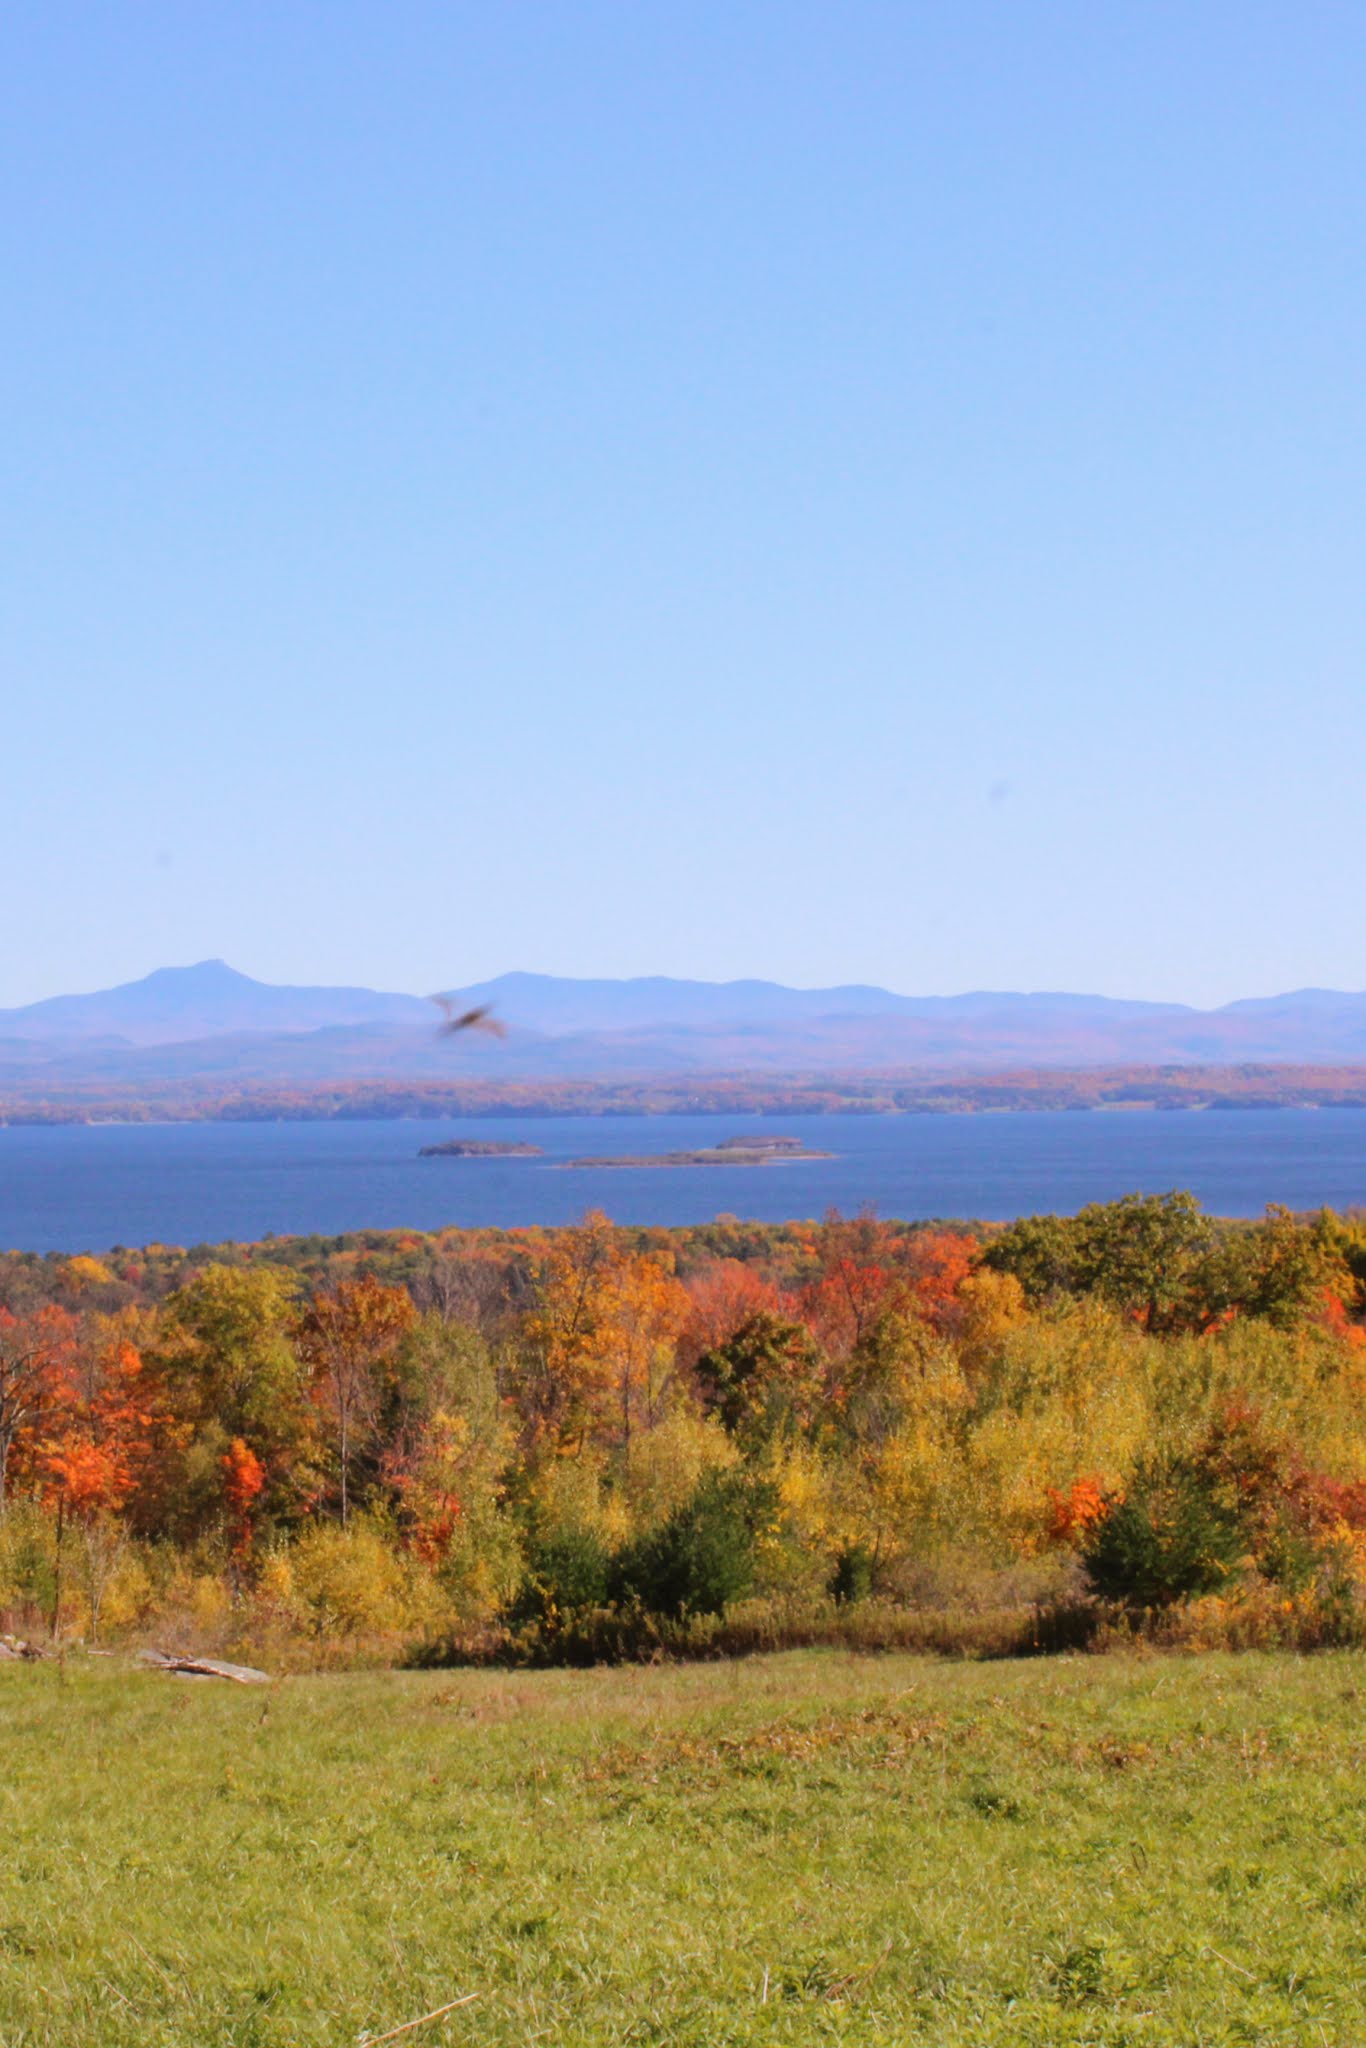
[{"x": 1111, "y": 1089}]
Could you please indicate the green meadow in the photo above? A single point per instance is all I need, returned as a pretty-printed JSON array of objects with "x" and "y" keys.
[{"x": 806, "y": 1847}]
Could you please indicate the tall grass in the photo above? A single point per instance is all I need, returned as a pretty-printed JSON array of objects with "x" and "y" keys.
[{"x": 808, "y": 1847}]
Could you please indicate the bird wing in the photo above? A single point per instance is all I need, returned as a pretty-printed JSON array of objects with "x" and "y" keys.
[{"x": 479, "y": 1019}]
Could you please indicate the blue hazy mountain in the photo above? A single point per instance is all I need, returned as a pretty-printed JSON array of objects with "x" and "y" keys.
[
  {"x": 203, "y": 1001},
  {"x": 556, "y": 1005},
  {"x": 210, "y": 1022}
]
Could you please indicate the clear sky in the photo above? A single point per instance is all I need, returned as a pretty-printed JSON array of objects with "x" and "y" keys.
[{"x": 834, "y": 492}]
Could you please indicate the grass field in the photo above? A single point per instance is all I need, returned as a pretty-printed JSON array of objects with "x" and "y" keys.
[{"x": 797, "y": 1848}]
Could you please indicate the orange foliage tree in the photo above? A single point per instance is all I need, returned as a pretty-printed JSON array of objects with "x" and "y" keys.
[
  {"x": 101, "y": 1424},
  {"x": 855, "y": 1270},
  {"x": 568, "y": 1333},
  {"x": 244, "y": 1477},
  {"x": 347, "y": 1338},
  {"x": 649, "y": 1313},
  {"x": 723, "y": 1295},
  {"x": 34, "y": 1352},
  {"x": 600, "y": 1336},
  {"x": 936, "y": 1264}
]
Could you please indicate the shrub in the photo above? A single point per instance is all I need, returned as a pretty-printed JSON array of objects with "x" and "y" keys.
[
  {"x": 568, "y": 1572},
  {"x": 661, "y": 1467},
  {"x": 702, "y": 1558},
  {"x": 348, "y": 1581},
  {"x": 1169, "y": 1539},
  {"x": 27, "y": 1565},
  {"x": 852, "y": 1578}
]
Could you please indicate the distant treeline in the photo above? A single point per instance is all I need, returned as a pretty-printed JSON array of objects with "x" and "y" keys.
[{"x": 1113, "y": 1089}]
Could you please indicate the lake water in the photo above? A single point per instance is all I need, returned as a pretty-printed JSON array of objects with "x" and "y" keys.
[{"x": 76, "y": 1188}]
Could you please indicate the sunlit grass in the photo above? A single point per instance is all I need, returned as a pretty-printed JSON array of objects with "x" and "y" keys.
[{"x": 799, "y": 1848}]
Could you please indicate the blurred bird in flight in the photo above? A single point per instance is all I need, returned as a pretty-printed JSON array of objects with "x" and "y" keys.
[{"x": 481, "y": 1019}]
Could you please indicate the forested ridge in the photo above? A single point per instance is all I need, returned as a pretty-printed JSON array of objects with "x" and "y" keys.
[
  {"x": 602, "y": 1441},
  {"x": 906, "y": 1091}
]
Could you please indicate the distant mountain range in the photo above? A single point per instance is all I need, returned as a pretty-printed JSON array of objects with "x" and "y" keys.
[{"x": 210, "y": 1026}]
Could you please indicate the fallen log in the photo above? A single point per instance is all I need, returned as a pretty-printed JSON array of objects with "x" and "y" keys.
[{"x": 203, "y": 1667}]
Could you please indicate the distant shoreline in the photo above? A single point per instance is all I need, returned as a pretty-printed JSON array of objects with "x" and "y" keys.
[
  {"x": 1113, "y": 1090},
  {"x": 40, "y": 1121}
]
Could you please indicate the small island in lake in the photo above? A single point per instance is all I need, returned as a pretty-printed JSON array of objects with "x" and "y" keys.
[
  {"x": 730, "y": 1152},
  {"x": 479, "y": 1148}
]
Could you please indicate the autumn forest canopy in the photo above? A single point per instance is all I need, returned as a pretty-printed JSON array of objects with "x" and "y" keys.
[{"x": 598, "y": 1441}]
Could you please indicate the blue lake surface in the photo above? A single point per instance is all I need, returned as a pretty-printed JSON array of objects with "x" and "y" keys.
[{"x": 86, "y": 1188}]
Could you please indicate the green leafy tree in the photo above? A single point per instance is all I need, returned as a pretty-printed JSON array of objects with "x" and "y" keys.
[
  {"x": 231, "y": 1372},
  {"x": 765, "y": 1381},
  {"x": 1144, "y": 1255},
  {"x": 1291, "y": 1265},
  {"x": 1041, "y": 1252}
]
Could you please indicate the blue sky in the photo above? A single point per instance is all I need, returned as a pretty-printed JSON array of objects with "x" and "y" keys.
[{"x": 866, "y": 492}]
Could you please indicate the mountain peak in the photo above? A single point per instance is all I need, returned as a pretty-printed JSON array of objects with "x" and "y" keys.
[
  {"x": 199, "y": 974},
  {"x": 207, "y": 999}
]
